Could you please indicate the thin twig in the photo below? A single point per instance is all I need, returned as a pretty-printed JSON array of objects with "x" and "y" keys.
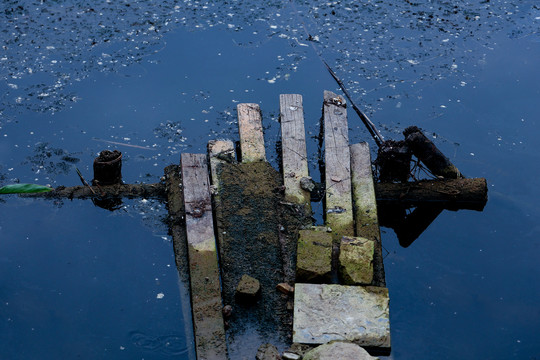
[{"x": 84, "y": 181}]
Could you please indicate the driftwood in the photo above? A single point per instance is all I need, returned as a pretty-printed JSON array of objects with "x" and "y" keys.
[
  {"x": 156, "y": 190},
  {"x": 449, "y": 193},
  {"x": 426, "y": 151}
]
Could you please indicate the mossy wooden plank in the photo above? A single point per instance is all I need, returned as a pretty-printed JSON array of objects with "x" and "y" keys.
[
  {"x": 203, "y": 262},
  {"x": 251, "y": 133},
  {"x": 339, "y": 209},
  {"x": 356, "y": 260},
  {"x": 293, "y": 148},
  {"x": 365, "y": 206},
  {"x": 314, "y": 256}
]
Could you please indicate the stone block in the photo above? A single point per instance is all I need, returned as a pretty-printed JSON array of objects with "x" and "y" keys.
[
  {"x": 248, "y": 288},
  {"x": 358, "y": 314},
  {"x": 356, "y": 260},
  {"x": 338, "y": 350},
  {"x": 314, "y": 257}
]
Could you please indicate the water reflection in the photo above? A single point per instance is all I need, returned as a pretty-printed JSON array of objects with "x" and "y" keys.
[{"x": 78, "y": 281}]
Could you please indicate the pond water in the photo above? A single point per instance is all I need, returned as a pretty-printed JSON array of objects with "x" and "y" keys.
[{"x": 156, "y": 80}]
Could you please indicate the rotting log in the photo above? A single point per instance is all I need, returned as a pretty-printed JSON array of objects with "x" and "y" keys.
[
  {"x": 251, "y": 133},
  {"x": 294, "y": 153},
  {"x": 156, "y": 190},
  {"x": 108, "y": 168},
  {"x": 426, "y": 151},
  {"x": 177, "y": 229},
  {"x": 365, "y": 206},
  {"x": 203, "y": 260},
  {"x": 338, "y": 200},
  {"x": 449, "y": 193}
]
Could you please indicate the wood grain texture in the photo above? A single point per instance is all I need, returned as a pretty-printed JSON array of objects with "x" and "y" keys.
[
  {"x": 365, "y": 206},
  {"x": 203, "y": 261},
  {"x": 339, "y": 210},
  {"x": 251, "y": 133},
  {"x": 294, "y": 153}
]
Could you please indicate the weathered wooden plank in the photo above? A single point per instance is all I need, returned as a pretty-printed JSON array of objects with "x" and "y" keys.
[
  {"x": 294, "y": 153},
  {"x": 175, "y": 206},
  {"x": 251, "y": 133},
  {"x": 365, "y": 206},
  {"x": 203, "y": 262},
  {"x": 339, "y": 210}
]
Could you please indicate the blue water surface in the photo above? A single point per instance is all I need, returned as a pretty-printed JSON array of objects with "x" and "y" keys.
[{"x": 155, "y": 80}]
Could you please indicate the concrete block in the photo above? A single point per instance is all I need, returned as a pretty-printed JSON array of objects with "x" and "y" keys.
[
  {"x": 358, "y": 314},
  {"x": 356, "y": 260}
]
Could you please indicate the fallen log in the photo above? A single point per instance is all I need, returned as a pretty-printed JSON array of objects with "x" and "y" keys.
[
  {"x": 450, "y": 193},
  {"x": 156, "y": 190}
]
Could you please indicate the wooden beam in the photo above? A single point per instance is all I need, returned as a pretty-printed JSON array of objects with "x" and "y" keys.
[
  {"x": 339, "y": 209},
  {"x": 203, "y": 261},
  {"x": 251, "y": 133},
  {"x": 365, "y": 206},
  {"x": 294, "y": 153}
]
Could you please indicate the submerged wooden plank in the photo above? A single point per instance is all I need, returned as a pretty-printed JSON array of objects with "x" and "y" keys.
[
  {"x": 365, "y": 206},
  {"x": 294, "y": 153},
  {"x": 203, "y": 262},
  {"x": 251, "y": 133},
  {"x": 339, "y": 214}
]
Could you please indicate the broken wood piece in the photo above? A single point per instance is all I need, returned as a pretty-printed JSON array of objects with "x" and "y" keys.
[
  {"x": 426, "y": 151},
  {"x": 108, "y": 168},
  {"x": 339, "y": 214},
  {"x": 219, "y": 152},
  {"x": 203, "y": 261},
  {"x": 365, "y": 206},
  {"x": 450, "y": 193},
  {"x": 314, "y": 257},
  {"x": 251, "y": 133},
  {"x": 356, "y": 260},
  {"x": 294, "y": 153}
]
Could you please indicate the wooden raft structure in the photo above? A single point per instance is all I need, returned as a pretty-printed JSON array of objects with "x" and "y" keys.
[
  {"x": 348, "y": 273},
  {"x": 233, "y": 215}
]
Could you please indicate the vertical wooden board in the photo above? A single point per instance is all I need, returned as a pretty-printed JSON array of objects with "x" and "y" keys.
[
  {"x": 251, "y": 133},
  {"x": 294, "y": 153},
  {"x": 203, "y": 262},
  {"x": 339, "y": 214},
  {"x": 365, "y": 206}
]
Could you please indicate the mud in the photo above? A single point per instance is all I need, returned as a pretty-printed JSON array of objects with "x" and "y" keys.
[{"x": 257, "y": 232}]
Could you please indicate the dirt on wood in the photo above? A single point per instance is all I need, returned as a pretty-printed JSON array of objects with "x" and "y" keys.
[{"x": 257, "y": 233}]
